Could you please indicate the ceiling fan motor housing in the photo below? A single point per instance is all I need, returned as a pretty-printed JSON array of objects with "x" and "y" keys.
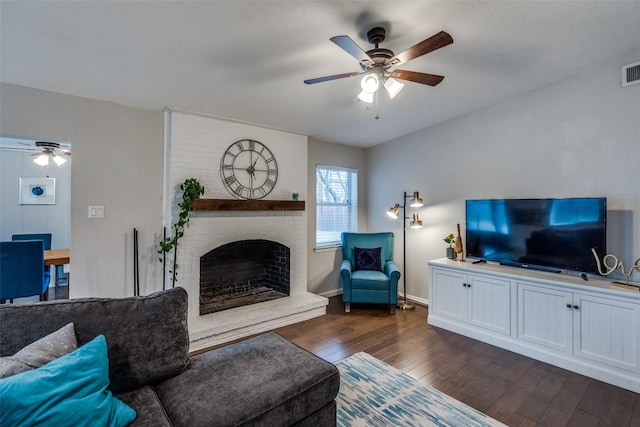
[{"x": 376, "y": 35}]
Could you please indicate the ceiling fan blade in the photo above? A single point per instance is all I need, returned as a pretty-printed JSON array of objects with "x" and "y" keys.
[
  {"x": 414, "y": 76},
  {"x": 434, "y": 42},
  {"x": 19, "y": 149},
  {"x": 334, "y": 77},
  {"x": 349, "y": 46}
]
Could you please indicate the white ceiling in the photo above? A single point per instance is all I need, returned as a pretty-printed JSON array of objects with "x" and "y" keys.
[{"x": 246, "y": 60}]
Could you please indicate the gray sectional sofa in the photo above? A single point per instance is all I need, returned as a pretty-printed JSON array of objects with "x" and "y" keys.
[{"x": 262, "y": 381}]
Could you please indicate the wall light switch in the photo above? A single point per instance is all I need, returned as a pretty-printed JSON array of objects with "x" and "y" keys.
[{"x": 96, "y": 212}]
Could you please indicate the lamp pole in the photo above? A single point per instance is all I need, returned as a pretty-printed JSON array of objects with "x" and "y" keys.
[
  {"x": 393, "y": 212},
  {"x": 404, "y": 305}
]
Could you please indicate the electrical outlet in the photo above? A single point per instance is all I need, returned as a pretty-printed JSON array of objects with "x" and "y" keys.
[{"x": 96, "y": 212}]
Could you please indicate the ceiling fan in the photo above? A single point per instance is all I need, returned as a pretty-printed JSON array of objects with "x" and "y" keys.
[
  {"x": 378, "y": 63},
  {"x": 43, "y": 151}
]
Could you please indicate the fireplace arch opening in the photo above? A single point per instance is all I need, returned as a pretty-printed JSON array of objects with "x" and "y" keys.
[{"x": 243, "y": 272}]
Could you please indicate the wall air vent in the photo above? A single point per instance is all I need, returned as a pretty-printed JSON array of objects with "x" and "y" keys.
[{"x": 631, "y": 74}]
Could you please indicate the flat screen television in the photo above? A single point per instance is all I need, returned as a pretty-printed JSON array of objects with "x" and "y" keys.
[{"x": 547, "y": 234}]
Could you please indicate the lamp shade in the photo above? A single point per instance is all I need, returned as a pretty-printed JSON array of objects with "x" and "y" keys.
[
  {"x": 59, "y": 160},
  {"x": 41, "y": 159},
  {"x": 394, "y": 211},
  {"x": 393, "y": 86},
  {"x": 416, "y": 201},
  {"x": 370, "y": 83},
  {"x": 366, "y": 97},
  {"x": 415, "y": 221}
]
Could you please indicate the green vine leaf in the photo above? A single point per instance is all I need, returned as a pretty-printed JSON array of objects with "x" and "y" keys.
[{"x": 191, "y": 190}]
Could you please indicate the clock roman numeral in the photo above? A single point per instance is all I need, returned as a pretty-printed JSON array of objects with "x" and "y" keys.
[
  {"x": 272, "y": 172},
  {"x": 230, "y": 180},
  {"x": 269, "y": 183},
  {"x": 240, "y": 146},
  {"x": 252, "y": 145}
]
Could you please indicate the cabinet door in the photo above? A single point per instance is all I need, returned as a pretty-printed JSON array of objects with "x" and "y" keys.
[
  {"x": 489, "y": 303},
  {"x": 544, "y": 317},
  {"x": 449, "y": 294},
  {"x": 606, "y": 331}
]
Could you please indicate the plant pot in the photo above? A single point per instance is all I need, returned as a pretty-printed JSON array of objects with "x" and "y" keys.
[{"x": 450, "y": 253}]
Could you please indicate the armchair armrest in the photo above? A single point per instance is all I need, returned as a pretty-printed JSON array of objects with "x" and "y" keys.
[
  {"x": 392, "y": 271},
  {"x": 345, "y": 267}
]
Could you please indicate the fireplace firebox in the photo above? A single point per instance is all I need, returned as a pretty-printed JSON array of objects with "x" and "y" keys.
[{"x": 242, "y": 273}]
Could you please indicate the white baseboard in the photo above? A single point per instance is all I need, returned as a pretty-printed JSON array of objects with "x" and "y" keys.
[{"x": 417, "y": 300}]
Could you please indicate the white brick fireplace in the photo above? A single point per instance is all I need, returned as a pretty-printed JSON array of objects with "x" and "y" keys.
[{"x": 194, "y": 146}]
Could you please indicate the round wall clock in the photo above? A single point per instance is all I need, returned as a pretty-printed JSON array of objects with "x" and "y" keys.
[{"x": 248, "y": 169}]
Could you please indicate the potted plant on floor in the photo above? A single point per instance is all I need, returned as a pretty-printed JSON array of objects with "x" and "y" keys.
[{"x": 191, "y": 190}]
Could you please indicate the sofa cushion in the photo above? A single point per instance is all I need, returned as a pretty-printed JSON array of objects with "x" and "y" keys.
[
  {"x": 71, "y": 390},
  {"x": 41, "y": 352},
  {"x": 261, "y": 381},
  {"x": 147, "y": 336},
  {"x": 145, "y": 402}
]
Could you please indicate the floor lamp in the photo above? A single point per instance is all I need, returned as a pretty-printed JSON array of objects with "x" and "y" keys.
[{"x": 415, "y": 222}]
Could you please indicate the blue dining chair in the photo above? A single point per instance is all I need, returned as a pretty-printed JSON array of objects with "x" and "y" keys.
[
  {"x": 22, "y": 272},
  {"x": 61, "y": 276}
]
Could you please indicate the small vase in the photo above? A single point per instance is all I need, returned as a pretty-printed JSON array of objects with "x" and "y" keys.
[{"x": 450, "y": 253}]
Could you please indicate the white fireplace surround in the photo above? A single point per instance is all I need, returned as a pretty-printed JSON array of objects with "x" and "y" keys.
[{"x": 194, "y": 144}]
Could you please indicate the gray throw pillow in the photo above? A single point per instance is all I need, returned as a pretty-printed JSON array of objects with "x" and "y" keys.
[{"x": 41, "y": 352}]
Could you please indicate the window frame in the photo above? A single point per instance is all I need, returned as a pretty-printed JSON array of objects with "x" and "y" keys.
[{"x": 351, "y": 189}]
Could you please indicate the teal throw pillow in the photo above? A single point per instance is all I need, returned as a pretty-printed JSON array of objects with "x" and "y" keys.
[{"x": 69, "y": 391}]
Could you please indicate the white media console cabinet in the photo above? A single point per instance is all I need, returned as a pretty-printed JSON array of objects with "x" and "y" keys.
[{"x": 590, "y": 327}]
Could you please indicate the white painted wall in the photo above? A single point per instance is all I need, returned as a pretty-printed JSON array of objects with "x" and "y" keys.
[
  {"x": 117, "y": 162},
  {"x": 323, "y": 266},
  {"x": 578, "y": 137}
]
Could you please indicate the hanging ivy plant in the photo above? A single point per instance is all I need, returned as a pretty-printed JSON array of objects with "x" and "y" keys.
[{"x": 191, "y": 190}]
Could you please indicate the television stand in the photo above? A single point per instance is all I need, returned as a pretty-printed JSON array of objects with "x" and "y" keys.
[{"x": 589, "y": 327}]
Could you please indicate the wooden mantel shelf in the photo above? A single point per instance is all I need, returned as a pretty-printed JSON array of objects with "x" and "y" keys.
[{"x": 247, "y": 205}]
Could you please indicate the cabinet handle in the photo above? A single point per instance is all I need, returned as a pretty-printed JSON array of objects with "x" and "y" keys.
[
  {"x": 569, "y": 306},
  {"x": 464, "y": 284},
  {"x": 576, "y": 307}
]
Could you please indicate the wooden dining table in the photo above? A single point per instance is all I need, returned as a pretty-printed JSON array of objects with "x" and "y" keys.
[{"x": 56, "y": 257}]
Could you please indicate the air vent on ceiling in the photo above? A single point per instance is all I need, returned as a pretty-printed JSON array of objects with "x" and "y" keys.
[{"x": 631, "y": 74}]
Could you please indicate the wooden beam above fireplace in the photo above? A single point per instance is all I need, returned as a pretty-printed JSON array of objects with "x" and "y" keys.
[{"x": 247, "y": 205}]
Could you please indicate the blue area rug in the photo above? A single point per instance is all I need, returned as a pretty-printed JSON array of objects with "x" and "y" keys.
[{"x": 374, "y": 394}]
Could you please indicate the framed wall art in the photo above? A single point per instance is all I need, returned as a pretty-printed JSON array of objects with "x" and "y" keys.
[{"x": 37, "y": 191}]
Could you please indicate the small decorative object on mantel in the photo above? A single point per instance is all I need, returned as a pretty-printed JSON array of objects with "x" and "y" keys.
[
  {"x": 611, "y": 264},
  {"x": 191, "y": 190},
  {"x": 450, "y": 240},
  {"x": 458, "y": 247}
]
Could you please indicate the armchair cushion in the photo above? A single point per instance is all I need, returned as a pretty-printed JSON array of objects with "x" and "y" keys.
[{"x": 367, "y": 259}]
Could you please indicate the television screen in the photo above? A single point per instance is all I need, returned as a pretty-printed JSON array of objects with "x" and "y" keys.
[{"x": 551, "y": 234}]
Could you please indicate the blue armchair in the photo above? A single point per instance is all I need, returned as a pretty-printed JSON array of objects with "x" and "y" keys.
[
  {"x": 22, "y": 271},
  {"x": 368, "y": 272}
]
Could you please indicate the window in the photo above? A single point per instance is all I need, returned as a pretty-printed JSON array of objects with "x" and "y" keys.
[{"x": 336, "y": 203}]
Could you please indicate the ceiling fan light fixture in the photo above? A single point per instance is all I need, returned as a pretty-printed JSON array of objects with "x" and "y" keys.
[
  {"x": 370, "y": 83},
  {"x": 365, "y": 96},
  {"x": 393, "y": 87},
  {"x": 59, "y": 160},
  {"x": 41, "y": 159}
]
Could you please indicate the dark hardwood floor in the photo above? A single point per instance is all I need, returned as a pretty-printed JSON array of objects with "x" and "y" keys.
[{"x": 511, "y": 388}]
